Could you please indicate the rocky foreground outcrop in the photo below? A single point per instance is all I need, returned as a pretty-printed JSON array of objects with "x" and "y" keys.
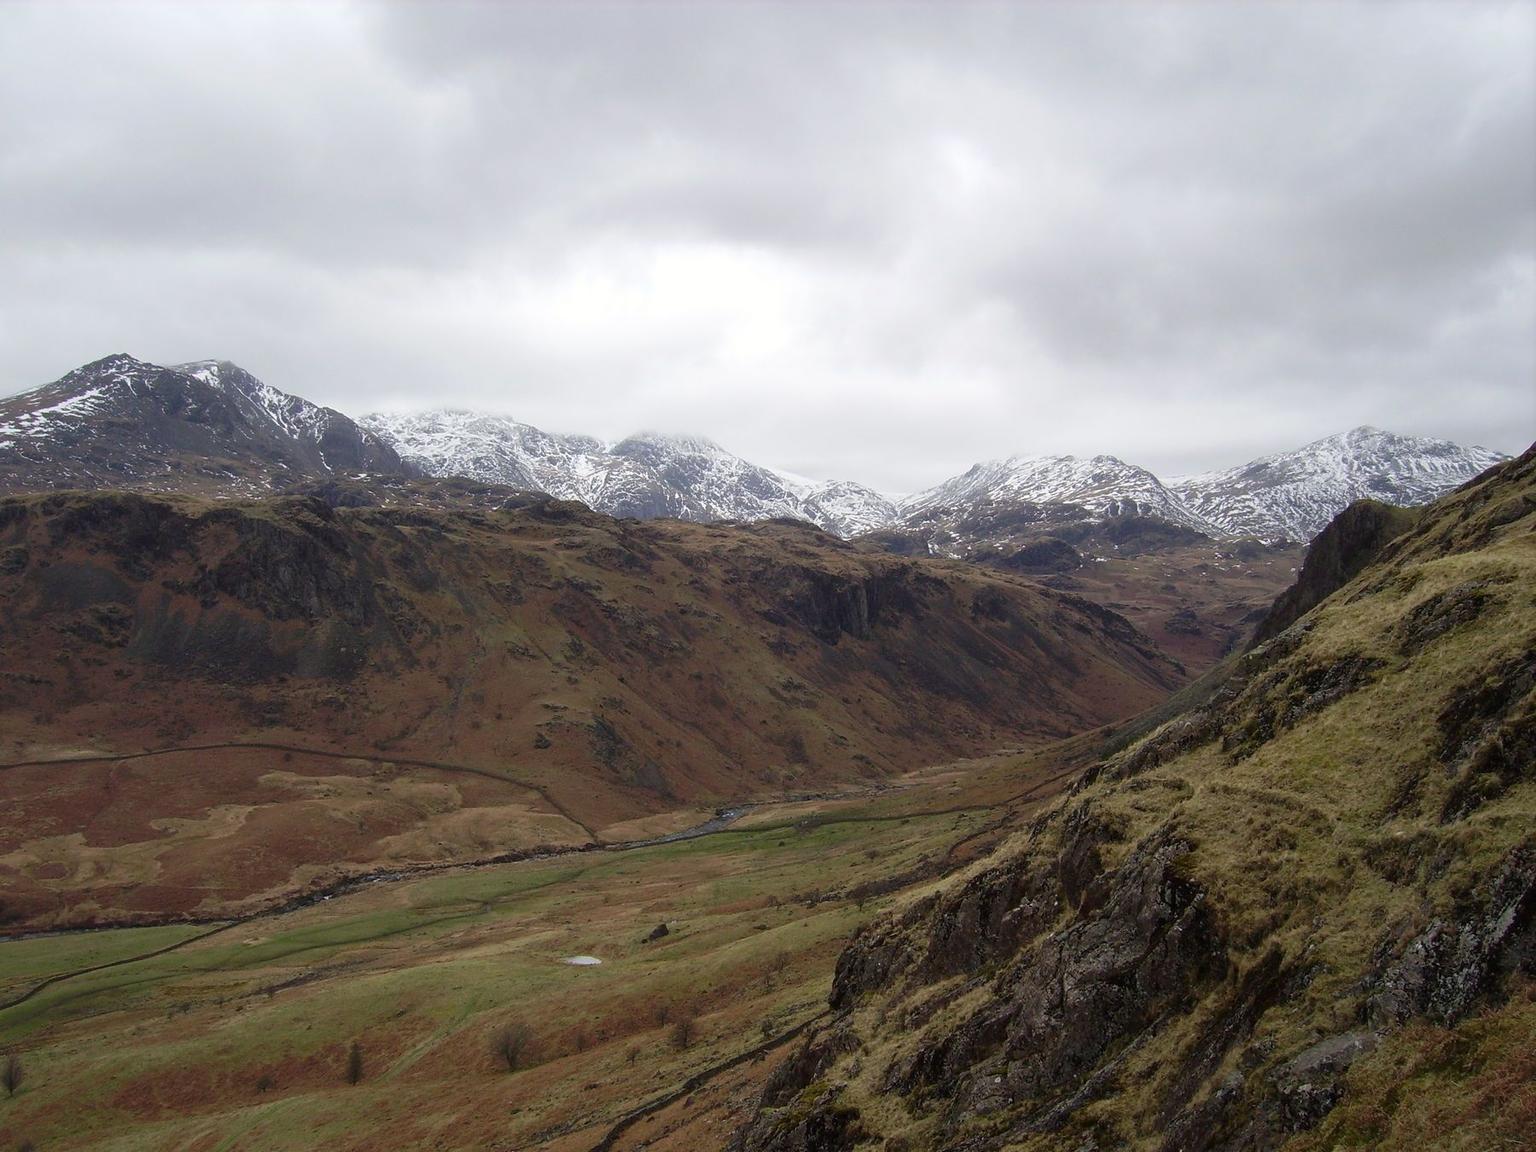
[{"x": 1302, "y": 915}]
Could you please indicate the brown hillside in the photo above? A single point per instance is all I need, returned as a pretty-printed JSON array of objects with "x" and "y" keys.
[{"x": 494, "y": 680}]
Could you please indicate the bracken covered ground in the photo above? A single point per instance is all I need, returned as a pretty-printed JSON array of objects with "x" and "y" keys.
[{"x": 207, "y": 705}]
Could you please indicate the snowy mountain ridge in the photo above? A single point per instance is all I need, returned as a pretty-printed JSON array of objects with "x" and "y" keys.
[
  {"x": 210, "y": 426},
  {"x": 1285, "y": 496},
  {"x": 1103, "y": 486},
  {"x": 646, "y": 475},
  {"x": 1295, "y": 494}
]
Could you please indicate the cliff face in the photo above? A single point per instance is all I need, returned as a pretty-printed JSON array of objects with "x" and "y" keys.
[
  {"x": 1338, "y": 554},
  {"x": 1302, "y": 915}
]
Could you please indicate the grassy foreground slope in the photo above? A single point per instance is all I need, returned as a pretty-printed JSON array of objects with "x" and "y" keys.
[{"x": 1302, "y": 914}]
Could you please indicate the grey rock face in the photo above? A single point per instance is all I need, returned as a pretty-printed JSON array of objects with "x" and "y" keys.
[{"x": 1444, "y": 970}]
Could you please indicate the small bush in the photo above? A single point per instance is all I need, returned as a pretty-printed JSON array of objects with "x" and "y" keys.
[
  {"x": 511, "y": 1044},
  {"x": 684, "y": 1029}
]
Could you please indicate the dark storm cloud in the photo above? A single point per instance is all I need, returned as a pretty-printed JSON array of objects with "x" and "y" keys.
[{"x": 856, "y": 240}]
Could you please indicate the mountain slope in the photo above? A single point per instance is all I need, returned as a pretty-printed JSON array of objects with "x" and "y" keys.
[
  {"x": 1302, "y": 914},
  {"x": 209, "y": 426},
  {"x": 619, "y": 670},
  {"x": 1294, "y": 494}
]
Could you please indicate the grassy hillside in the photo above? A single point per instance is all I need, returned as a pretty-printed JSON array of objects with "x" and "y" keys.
[{"x": 1303, "y": 912}]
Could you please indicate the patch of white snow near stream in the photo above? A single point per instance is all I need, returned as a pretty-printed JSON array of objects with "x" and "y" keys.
[{"x": 581, "y": 961}]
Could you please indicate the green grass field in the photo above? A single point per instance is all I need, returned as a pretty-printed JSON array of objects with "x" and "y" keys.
[{"x": 240, "y": 1040}]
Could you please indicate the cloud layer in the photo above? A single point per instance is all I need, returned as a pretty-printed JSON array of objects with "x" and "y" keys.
[{"x": 848, "y": 240}]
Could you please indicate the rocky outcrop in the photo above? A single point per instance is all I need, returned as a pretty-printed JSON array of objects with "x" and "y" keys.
[
  {"x": 1443, "y": 971},
  {"x": 295, "y": 565},
  {"x": 833, "y": 605},
  {"x": 1184, "y": 623},
  {"x": 1488, "y": 736},
  {"x": 1050, "y": 554},
  {"x": 1288, "y": 695},
  {"x": 1077, "y": 996},
  {"x": 799, "y": 1110},
  {"x": 1340, "y": 552},
  {"x": 1138, "y": 944}
]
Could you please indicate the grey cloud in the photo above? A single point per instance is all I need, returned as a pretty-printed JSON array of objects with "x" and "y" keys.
[{"x": 852, "y": 240}]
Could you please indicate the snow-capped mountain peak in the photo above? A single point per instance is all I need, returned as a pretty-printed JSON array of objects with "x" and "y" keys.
[
  {"x": 124, "y": 422},
  {"x": 1294, "y": 494},
  {"x": 293, "y": 414},
  {"x": 39, "y": 413},
  {"x": 847, "y": 509},
  {"x": 670, "y": 442},
  {"x": 1102, "y": 485}
]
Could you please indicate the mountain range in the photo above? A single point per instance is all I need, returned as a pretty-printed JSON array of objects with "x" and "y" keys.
[
  {"x": 212, "y": 428},
  {"x": 645, "y": 476}
]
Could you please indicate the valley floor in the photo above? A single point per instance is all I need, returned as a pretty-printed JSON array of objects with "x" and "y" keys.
[{"x": 237, "y": 1034}]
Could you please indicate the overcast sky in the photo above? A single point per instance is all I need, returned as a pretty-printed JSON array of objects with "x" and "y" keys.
[{"x": 869, "y": 241}]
